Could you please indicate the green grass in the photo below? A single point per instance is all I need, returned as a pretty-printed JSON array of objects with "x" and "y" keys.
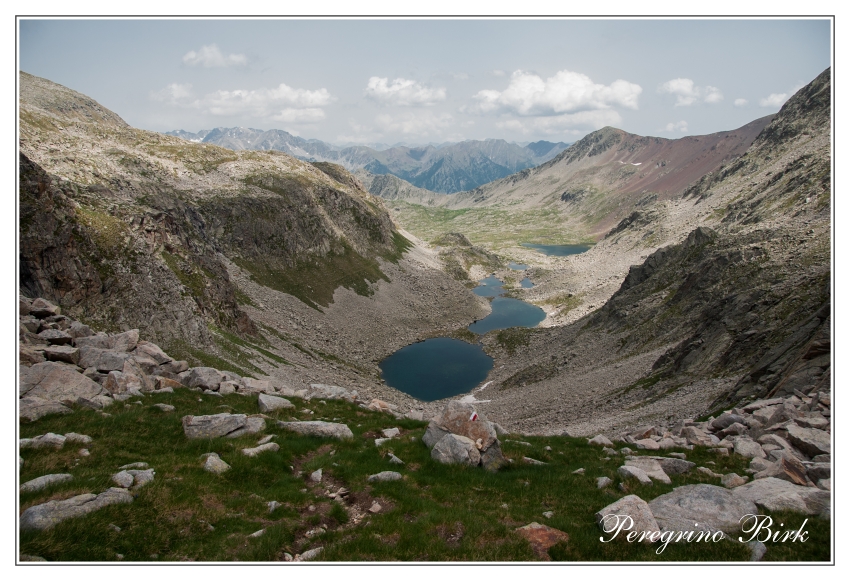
[{"x": 436, "y": 513}]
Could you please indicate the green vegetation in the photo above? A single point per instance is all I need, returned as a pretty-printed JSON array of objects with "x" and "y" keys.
[
  {"x": 565, "y": 302},
  {"x": 194, "y": 279},
  {"x": 436, "y": 513},
  {"x": 314, "y": 281},
  {"x": 513, "y": 338}
]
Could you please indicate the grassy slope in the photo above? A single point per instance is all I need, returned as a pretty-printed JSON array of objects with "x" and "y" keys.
[{"x": 436, "y": 513}]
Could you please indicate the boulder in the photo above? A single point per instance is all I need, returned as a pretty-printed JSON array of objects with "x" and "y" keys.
[
  {"x": 152, "y": 351},
  {"x": 104, "y": 360},
  {"x": 749, "y": 448},
  {"x": 64, "y": 353},
  {"x": 603, "y": 482},
  {"x": 141, "y": 477},
  {"x": 228, "y": 387},
  {"x": 808, "y": 440},
  {"x": 213, "y": 426},
  {"x": 205, "y": 378},
  {"x": 696, "y": 437},
  {"x": 98, "y": 340},
  {"x": 762, "y": 403},
  {"x": 56, "y": 382},
  {"x": 385, "y": 476},
  {"x": 673, "y": 466},
  {"x": 270, "y": 403},
  {"x": 33, "y": 408},
  {"x": 49, "y": 514},
  {"x": 43, "y": 482},
  {"x": 732, "y": 480},
  {"x": 253, "y": 425},
  {"x": 322, "y": 391},
  {"x": 455, "y": 449},
  {"x": 726, "y": 420},
  {"x": 378, "y": 405},
  {"x": 270, "y": 447},
  {"x": 461, "y": 419},
  {"x": 542, "y": 538},
  {"x": 318, "y": 428},
  {"x": 123, "y": 479},
  {"x": 174, "y": 367},
  {"x": 55, "y": 337},
  {"x": 75, "y": 438},
  {"x": 630, "y": 513},
  {"x": 126, "y": 341},
  {"x": 809, "y": 420},
  {"x": 42, "y": 309},
  {"x": 786, "y": 468},
  {"x": 775, "y": 494},
  {"x": 433, "y": 434},
  {"x": 390, "y": 432},
  {"x": 492, "y": 458},
  {"x": 735, "y": 429},
  {"x": 78, "y": 329},
  {"x": 251, "y": 385},
  {"x": 701, "y": 507},
  {"x": 215, "y": 464},
  {"x": 651, "y": 468},
  {"x": 28, "y": 355},
  {"x": 819, "y": 471},
  {"x": 600, "y": 440},
  {"x": 647, "y": 444},
  {"x": 630, "y": 472},
  {"x": 164, "y": 407}
]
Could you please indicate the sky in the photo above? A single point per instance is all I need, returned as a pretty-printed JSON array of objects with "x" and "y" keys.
[{"x": 430, "y": 80}]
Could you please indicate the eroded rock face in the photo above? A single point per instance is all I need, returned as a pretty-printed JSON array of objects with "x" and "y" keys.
[{"x": 701, "y": 507}]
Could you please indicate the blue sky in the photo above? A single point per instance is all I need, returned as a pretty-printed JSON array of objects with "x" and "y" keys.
[{"x": 419, "y": 81}]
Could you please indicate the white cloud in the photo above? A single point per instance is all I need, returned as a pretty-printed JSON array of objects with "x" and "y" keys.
[
  {"x": 566, "y": 92},
  {"x": 559, "y": 124},
  {"x": 498, "y": 73},
  {"x": 403, "y": 92},
  {"x": 774, "y": 100},
  {"x": 741, "y": 102},
  {"x": 679, "y": 126},
  {"x": 687, "y": 93},
  {"x": 460, "y": 76},
  {"x": 420, "y": 123},
  {"x": 281, "y": 103},
  {"x": 210, "y": 56}
]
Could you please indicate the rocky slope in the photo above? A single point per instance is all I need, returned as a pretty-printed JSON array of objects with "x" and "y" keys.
[
  {"x": 189, "y": 242},
  {"x": 446, "y": 169},
  {"x": 734, "y": 304}
]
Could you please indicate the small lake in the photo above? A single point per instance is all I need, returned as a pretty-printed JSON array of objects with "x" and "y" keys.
[
  {"x": 436, "y": 368},
  {"x": 560, "y": 249},
  {"x": 516, "y": 266},
  {"x": 489, "y": 287},
  {"x": 526, "y": 283}
]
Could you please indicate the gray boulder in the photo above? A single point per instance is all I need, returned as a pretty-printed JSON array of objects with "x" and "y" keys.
[
  {"x": 775, "y": 494},
  {"x": 433, "y": 434},
  {"x": 253, "y": 425},
  {"x": 386, "y": 476},
  {"x": 63, "y": 353},
  {"x": 319, "y": 429},
  {"x": 732, "y": 480},
  {"x": 603, "y": 482},
  {"x": 123, "y": 479},
  {"x": 651, "y": 468},
  {"x": 43, "y": 482},
  {"x": 56, "y": 382},
  {"x": 600, "y": 440},
  {"x": 251, "y": 385},
  {"x": 701, "y": 507},
  {"x": 126, "y": 341},
  {"x": 33, "y": 408},
  {"x": 808, "y": 440},
  {"x": 673, "y": 466},
  {"x": 49, "y": 514},
  {"x": 104, "y": 360},
  {"x": 48, "y": 440},
  {"x": 749, "y": 448},
  {"x": 270, "y": 447},
  {"x": 455, "y": 449},
  {"x": 270, "y": 403},
  {"x": 630, "y": 513},
  {"x": 55, "y": 337},
  {"x": 152, "y": 351},
  {"x": 205, "y": 378},
  {"x": 462, "y": 419},
  {"x": 726, "y": 420},
  {"x": 322, "y": 391},
  {"x": 214, "y": 426},
  {"x": 215, "y": 464},
  {"x": 492, "y": 458},
  {"x": 42, "y": 309}
]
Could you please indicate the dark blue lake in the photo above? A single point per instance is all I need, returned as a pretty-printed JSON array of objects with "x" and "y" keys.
[
  {"x": 526, "y": 283},
  {"x": 436, "y": 368},
  {"x": 508, "y": 313},
  {"x": 489, "y": 287},
  {"x": 560, "y": 249}
]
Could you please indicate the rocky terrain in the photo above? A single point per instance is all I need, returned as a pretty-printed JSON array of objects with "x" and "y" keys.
[{"x": 448, "y": 168}]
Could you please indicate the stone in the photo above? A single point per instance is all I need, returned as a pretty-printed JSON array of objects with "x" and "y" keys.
[
  {"x": 382, "y": 441},
  {"x": 253, "y": 425},
  {"x": 786, "y": 468},
  {"x": 55, "y": 337},
  {"x": 708, "y": 472},
  {"x": 749, "y": 448},
  {"x": 28, "y": 355},
  {"x": 164, "y": 407},
  {"x": 775, "y": 494},
  {"x": 270, "y": 403},
  {"x": 782, "y": 414},
  {"x": 433, "y": 434},
  {"x": 134, "y": 466},
  {"x": 43, "y": 482},
  {"x": 667, "y": 443},
  {"x": 319, "y": 429},
  {"x": 808, "y": 440},
  {"x": 603, "y": 482},
  {"x": 695, "y": 436},
  {"x": 64, "y": 353},
  {"x": 33, "y": 408},
  {"x": 42, "y": 308},
  {"x": 630, "y": 513},
  {"x": 213, "y": 426},
  {"x": 215, "y": 464},
  {"x": 270, "y": 447},
  {"x": 417, "y": 415},
  {"x": 174, "y": 367},
  {"x": 375, "y": 508},
  {"x": 266, "y": 439},
  {"x": 630, "y": 472},
  {"x": 257, "y": 534},
  {"x": 205, "y": 378},
  {"x": 152, "y": 351},
  {"x": 378, "y": 405},
  {"x": 579, "y": 471},
  {"x": 74, "y": 438},
  {"x": 83, "y": 452},
  {"x": 385, "y": 476},
  {"x": 542, "y": 538},
  {"x": 819, "y": 471},
  {"x": 142, "y": 477},
  {"x": 825, "y": 484},
  {"x": 732, "y": 480},
  {"x": 123, "y": 479},
  {"x": 390, "y": 432},
  {"x": 600, "y": 440},
  {"x": 701, "y": 507},
  {"x": 56, "y": 382},
  {"x": 651, "y": 468},
  {"x": 672, "y": 466},
  {"x": 492, "y": 458},
  {"x": 316, "y": 476},
  {"x": 462, "y": 419},
  {"x": 533, "y": 461},
  {"x": 313, "y": 553},
  {"x": 49, "y": 514},
  {"x": 78, "y": 329},
  {"x": 103, "y": 360},
  {"x": 322, "y": 391},
  {"x": 48, "y": 440},
  {"x": 735, "y": 429},
  {"x": 647, "y": 444},
  {"x": 395, "y": 459},
  {"x": 251, "y": 385},
  {"x": 725, "y": 420},
  {"x": 762, "y": 403},
  {"x": 455, "y": 449},
  {"x": 811, "y": 420}
]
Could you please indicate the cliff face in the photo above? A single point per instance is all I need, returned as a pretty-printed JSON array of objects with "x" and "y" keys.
[{"x": 129, "y": 228}]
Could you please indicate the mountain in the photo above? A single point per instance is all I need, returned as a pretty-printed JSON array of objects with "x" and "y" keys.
[
  {"x": 445, "y": 168},
  {"x": 129, "y": 228}
]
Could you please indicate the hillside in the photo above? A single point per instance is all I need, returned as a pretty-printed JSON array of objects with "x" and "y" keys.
[{"x": 449, "y": 168}]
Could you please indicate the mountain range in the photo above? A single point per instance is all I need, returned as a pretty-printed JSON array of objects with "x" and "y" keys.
[{"x": 448, "y": 168}]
